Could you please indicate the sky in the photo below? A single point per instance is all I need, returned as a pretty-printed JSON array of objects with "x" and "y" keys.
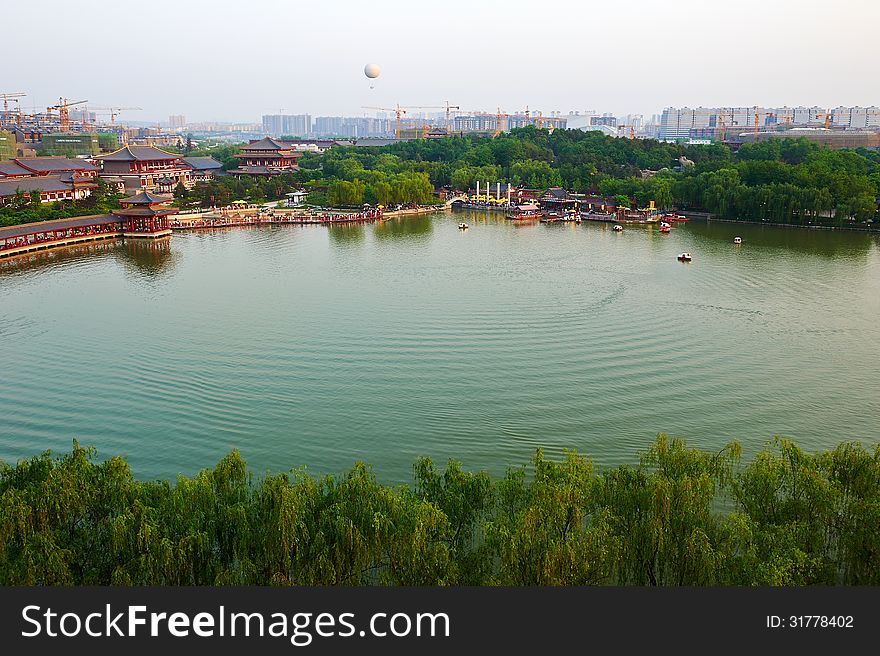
[{"x": 224, "y": 60}]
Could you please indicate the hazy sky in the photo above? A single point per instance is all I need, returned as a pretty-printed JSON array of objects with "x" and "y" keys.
[{"x": 236, "y": 60}]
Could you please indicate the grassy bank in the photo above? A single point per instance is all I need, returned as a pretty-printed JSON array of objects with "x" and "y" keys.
[{"x": 795, "y": 519}]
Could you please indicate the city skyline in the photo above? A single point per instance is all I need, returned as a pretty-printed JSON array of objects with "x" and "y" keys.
[{"x": 236, "y": 64}]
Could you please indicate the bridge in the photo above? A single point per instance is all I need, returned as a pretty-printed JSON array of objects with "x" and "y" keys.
[{"x": 455, "y": 199}]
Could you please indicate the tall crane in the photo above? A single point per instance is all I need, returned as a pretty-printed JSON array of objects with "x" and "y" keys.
[
  {"x": 14, "y": 98},
  {"x": 399, "y": 111},
  {"x": 63, "y": 108},
  {"x": 448, "y": 124},
  {"x": 498, "y": 122},
  {"x": 722, "y": 120},
  {"x": 827, "y": 115},
  {"x": 757, "y": 115},
  {"x": 114, "y": 111},
  {"x": 539, "y": 120}
]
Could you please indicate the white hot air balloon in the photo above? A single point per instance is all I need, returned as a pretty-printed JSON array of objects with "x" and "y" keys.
[{"x": 372, "y": 71}]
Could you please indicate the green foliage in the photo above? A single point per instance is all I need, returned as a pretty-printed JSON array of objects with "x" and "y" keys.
[
  {"x": 26, "y": 208},
  {"x": 789, "y": 518}
]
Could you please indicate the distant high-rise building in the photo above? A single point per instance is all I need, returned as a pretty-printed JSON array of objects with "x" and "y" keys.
[
  {"x": 296, "y": 125},
  {"x": 605, "y": 119},
  {"x": 177, "y": 121},
  {"x": 686, "y": 123}
]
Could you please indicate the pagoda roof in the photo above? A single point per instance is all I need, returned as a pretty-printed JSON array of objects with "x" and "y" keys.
[
  {"x": 10, "y": 168},
  {"x": 55, "y": 164},
  {"x": 267, "y": 143},
  {"x": 203, "y": 163},
  {"x": 145, "y": 211},
  {"x": 42, "y": 183},
  {"x": 145, "y": 198},
  {"x": 136, "y": 153}
]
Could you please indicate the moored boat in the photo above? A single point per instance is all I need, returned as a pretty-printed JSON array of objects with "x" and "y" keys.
[
  {"x": 598, "y": 216},
  {"x": 525, "y": 213}
]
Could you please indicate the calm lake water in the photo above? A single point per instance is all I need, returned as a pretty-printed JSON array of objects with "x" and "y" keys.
[{"x": 321, "y": 346}]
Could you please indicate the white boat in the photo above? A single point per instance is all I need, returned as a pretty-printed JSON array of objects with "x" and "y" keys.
[
  {"x": 737, "y": 240},
  {"x": 618, "y": 228},
  {"x": 685, "y": 257},
  {"x": 462, "y": 226}
]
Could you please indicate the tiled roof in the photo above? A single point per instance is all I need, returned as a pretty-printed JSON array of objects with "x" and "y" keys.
[
  {"x": 146, "y": 198},
  {"x": 9, "y": 167},
  {"x": 36, "y": 183},
  {"x": 136, "y": 153},
  {"x": 202, "y": 163},
  {"x": 48, "y": 164},
  {"x": 267, "y": 143}
]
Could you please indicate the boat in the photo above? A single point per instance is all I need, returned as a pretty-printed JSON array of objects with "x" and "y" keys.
[
  {"x": 617, "y": 228},
  {"x": 462, "y": 226},
  {"x": 673, "y": 216},
  {"x": 665, "y": 228},
  {"x": 598, "y": 216},
  {"x": 525, "y": 213},
  {"x": 685, "y": 257},
  {"x": 737, "y": 240}
]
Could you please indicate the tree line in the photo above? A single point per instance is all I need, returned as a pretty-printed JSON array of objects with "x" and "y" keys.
[
  {"x": 681, "y": 516},
  {"x": 780, "y": 180}
]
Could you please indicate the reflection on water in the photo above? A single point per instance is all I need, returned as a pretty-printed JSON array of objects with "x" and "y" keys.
[
  {"x": 148, "y": 256},
  {"x": 347, "y": 233},
  {"x": 35, "y": 261},
  {"x": 417, "y": 227},
  {"x": 825, "y": 243},
  {"x": 421, "y": 339}
]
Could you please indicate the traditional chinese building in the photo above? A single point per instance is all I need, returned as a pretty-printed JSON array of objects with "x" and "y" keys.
[
  {"x": 141, "y": 167},
  {"x": 22, "y": 167},
  {"x": 52, "y": 188},
  {"x": 266, "y": 157},
  {"x": 204, "y": 169},
  {"x": 145, "y": 215}
]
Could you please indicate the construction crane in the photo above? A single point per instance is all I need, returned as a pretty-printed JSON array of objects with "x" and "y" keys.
[
  {"x": 448, "y": 124},
  {"x": 14, "y": 98},
  {"x": 632, "y": 130},
  {"x": 723, "y": 123},
  {"x": 827, "y": 119},
  {"x": 63, "y": 108},
  {"x": 399, "y": 111},
  {"x": 539, "y": 120},
  {"x": 757, "y": 115},
  {"x": 498, "y": 122},
  {"x": 114, "y": 111}
]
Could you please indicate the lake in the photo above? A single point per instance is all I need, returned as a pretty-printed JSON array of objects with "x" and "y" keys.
[{"x": 317, "y": 347}]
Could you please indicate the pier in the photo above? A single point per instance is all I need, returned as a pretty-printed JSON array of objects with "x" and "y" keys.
[
  {"x": 145, "y": 216},
  {"x": 30, "y": 237}
]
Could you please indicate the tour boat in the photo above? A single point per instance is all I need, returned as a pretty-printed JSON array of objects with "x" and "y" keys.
[
  {"x": 618, "y": 228},
  {"x": 597, "y": 216},
  {"x": 525, "y": 213},
  {"x": 685, "y": 257},
  {"x": 737, "y": 240},
  {"x": 462, "y": 226},
  {"x": 672, "y": 216}
]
